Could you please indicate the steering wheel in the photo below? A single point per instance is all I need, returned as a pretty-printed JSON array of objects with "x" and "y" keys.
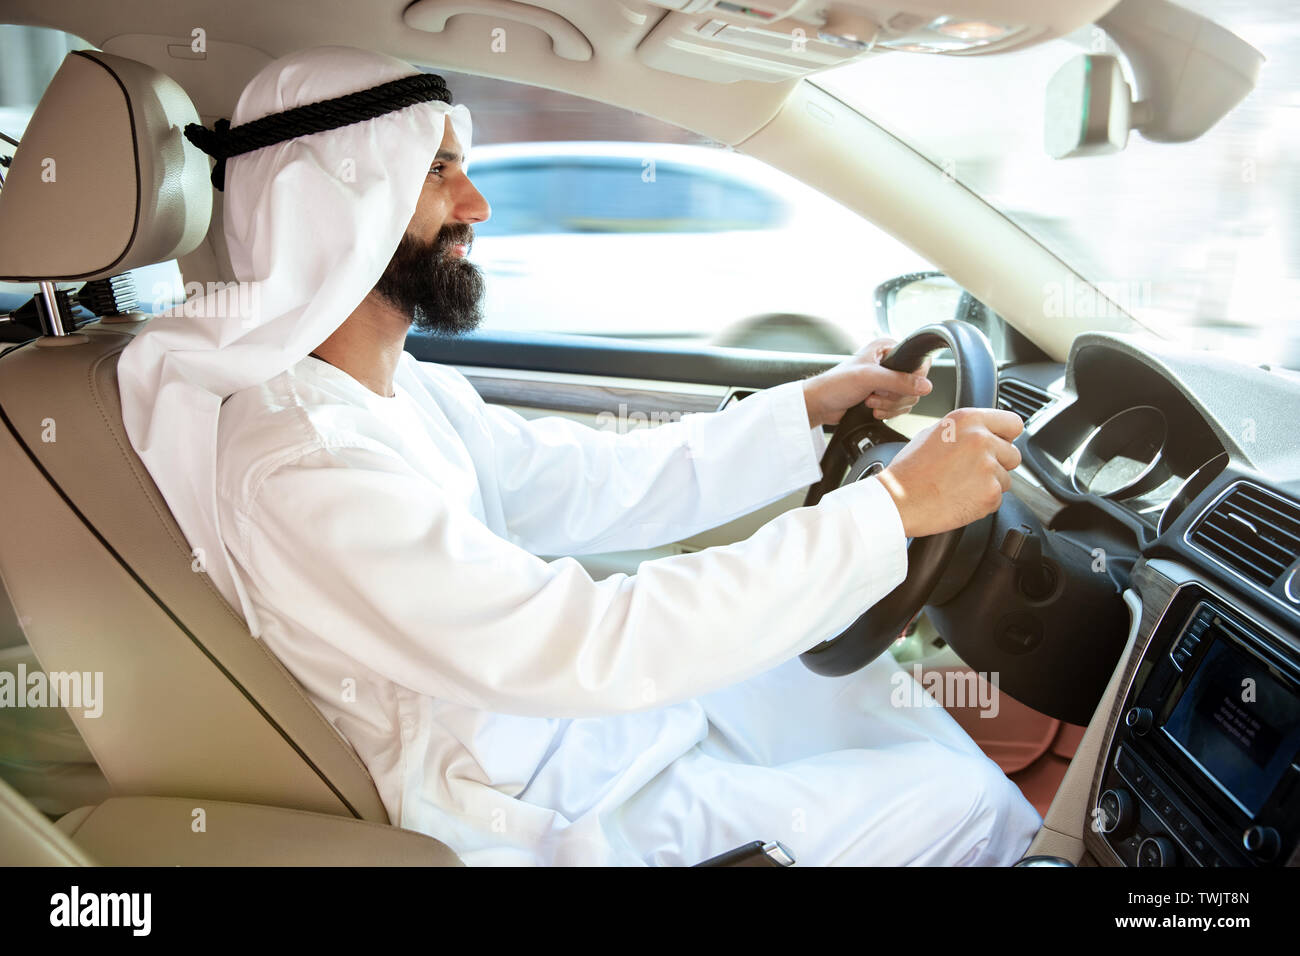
[{"x": 862, "y": 446}]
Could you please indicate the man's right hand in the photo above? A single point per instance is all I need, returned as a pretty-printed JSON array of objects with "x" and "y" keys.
[{"x": 955, "y": 471}]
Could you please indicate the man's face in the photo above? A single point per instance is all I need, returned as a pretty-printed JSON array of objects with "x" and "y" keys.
[{"x": 429, "y": 277}]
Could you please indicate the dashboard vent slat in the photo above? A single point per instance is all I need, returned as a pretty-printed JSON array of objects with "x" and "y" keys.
[
  {"x": 1274, "y": 517},
  {"x": 1251, "y": 532},
  {"x": 1263, "y": 569},
  {"x": 1022, "y": 398},
  {"x": 1237, "y": 531}
]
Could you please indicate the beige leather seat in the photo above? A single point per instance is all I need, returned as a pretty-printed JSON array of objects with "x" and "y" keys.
[
  {"x": 29, "y": 839},
  {"x": 98, "y": 571},
  {"x": 172, "y": 831}
]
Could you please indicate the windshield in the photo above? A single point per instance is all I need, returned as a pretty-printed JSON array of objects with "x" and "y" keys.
[{"x": 1198, "y": 241}]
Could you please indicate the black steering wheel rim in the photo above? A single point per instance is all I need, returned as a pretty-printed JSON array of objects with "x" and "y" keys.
[{"x": 844, "y": 461}]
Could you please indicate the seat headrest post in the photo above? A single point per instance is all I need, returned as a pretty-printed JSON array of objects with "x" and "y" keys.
[{"x": 50, "y": 309}]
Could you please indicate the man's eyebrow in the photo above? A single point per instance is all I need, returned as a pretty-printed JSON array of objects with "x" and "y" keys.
[{"x": 447, "y": 156}]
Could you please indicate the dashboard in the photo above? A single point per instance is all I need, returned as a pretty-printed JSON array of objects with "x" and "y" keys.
[
  {"x": 1188, "y": 463},
  {"x": 1123, "y": 438}
]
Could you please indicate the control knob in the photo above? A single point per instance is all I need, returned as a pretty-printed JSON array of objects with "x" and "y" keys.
[
  {"x": 1117, "y": 813},
  {"x": 1139, "y": 720},
  {"x": 1261, "y": 842},
  {"x": 1157, "y": 851}
]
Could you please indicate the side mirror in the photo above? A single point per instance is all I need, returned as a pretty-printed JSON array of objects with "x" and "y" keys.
[{"x": 908, "y": 302}]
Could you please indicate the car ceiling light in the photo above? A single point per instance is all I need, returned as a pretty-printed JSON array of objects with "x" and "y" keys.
[
  {"x": 974, "y": 30},
  {"x": 746, "y": 10},
  {"x": 915, "y": 48},
  {"x": 846, "y": 40},
  {"x": 848, "y": 29},
  {"x": 949, "y": 35}
]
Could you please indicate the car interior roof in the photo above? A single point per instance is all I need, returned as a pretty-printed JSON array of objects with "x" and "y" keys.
[
  {"x": 247, "y": 33},
  {"x": 859, "y": 165}
]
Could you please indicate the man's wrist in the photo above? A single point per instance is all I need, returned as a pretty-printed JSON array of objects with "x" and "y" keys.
[
  {"x": 889, "y": 481},
  {"x": 812, "y": 402}
]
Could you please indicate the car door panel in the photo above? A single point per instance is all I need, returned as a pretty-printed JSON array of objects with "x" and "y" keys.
[
  {"x": 615, "y": 358},
  {"x": 622, "y": 385}
]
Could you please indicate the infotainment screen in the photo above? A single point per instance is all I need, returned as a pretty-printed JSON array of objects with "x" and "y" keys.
[{"x": 1238, "y": 721}]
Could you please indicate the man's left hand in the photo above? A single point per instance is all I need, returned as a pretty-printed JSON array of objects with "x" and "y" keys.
[{"x": 862, "y": 379}]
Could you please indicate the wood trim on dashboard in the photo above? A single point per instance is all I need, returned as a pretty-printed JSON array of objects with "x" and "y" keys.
[
  {"x": 1157, "y": 592},
  {"x": 593, "y": 399}
]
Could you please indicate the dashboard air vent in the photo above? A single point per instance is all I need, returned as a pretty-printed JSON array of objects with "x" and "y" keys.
[
  {"x": 1022, "y": 398},
  {"x": 1252, "y": 531}
]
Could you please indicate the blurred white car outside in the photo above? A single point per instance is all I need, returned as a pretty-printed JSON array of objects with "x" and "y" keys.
[{"x": 677, "y": 243}]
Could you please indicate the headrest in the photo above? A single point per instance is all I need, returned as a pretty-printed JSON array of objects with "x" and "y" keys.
[{"x": 103, "y": 180}]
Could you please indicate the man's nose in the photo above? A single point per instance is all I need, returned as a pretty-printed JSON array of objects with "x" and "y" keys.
[{"x": 470, "y": 205}]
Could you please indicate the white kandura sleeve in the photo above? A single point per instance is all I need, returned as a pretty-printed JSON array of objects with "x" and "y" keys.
[
  {"x": 568, "y": 488},
  {"x": 371, "y": 557}
]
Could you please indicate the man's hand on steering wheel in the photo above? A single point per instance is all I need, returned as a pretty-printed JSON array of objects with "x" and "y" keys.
[
  {"x": 955, "y": 471},
  {"x": 862, "y": 379},
  {"x": 949, "y": 475}
]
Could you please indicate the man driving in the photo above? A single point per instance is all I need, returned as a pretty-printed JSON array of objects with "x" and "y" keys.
[{"x": 380, "y": 528}]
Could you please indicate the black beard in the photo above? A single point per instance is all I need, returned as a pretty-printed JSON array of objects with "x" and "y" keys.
[{"x": 441, "y": 292}]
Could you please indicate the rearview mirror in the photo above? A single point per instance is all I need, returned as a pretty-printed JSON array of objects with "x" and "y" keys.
[
  {"x": 1088, "y": 108},
  {"x": 1189, "y": 73}
]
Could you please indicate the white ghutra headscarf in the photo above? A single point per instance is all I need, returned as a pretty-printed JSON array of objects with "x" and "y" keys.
[{"x": 310, "y": 224}]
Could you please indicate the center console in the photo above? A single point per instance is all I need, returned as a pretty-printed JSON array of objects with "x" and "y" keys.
[{"x": 1203, "y": 766}]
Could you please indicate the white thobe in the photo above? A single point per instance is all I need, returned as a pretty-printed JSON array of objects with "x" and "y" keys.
[{"x": 524, "y": 713}]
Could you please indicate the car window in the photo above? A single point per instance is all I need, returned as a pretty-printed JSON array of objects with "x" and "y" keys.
[
  {"x": 628, "y": 195},
  {"x": 518, "y": 193},
  {"x": 605, "y": 222},
  {"x": 638, "y": 196},
  {"x": 1199, "y": 241}
]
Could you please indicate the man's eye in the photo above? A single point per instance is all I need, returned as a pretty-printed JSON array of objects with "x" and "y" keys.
[{"x": 436, "y": 169}]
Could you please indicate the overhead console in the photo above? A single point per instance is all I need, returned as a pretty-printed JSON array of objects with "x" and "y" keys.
[{"x": 773, "y": 40}]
